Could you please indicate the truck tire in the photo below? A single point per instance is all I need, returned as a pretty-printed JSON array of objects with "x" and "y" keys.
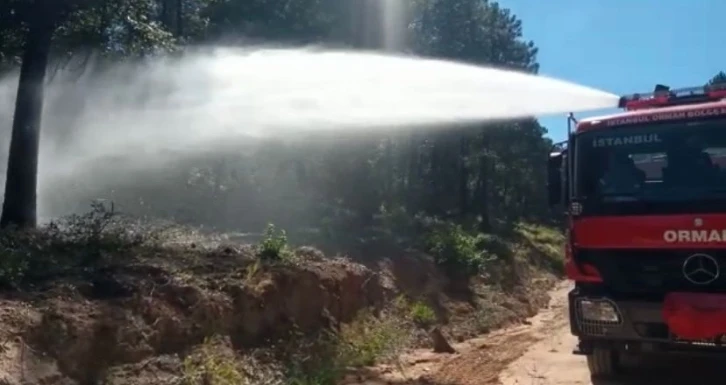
[{"x": 603, "y": 362}]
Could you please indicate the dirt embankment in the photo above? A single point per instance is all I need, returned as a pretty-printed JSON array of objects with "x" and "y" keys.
[
  {"x": 77, "y": 331},
  {"x": 480, "y": 360},
  {"x": 218, "y": 316},
  {"x": 536, "y": 352}
]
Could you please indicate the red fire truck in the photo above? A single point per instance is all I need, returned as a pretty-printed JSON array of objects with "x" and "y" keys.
[{"x": 645, "y": 197}]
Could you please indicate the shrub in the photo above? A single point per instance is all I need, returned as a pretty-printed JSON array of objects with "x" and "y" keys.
[
  {"x": 457, "y": 250},
  {"x": 369, "y": 339},
  {"x": 74, "y": 242},
  {"x": 422, "y": 314},
  {"x": 273, "y": 246},
  {"x": 364, "y": 342},
  {"x": 210, "y": 367}
]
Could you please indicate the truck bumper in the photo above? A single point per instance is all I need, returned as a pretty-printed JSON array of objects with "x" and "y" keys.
[{"x": 609, "y": 322}]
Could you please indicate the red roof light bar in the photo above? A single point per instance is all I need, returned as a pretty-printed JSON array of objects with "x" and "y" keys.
[{"x": 664, "y": 96}]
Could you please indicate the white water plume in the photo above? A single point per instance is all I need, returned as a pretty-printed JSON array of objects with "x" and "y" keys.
[{"x": 192, "y": 104}]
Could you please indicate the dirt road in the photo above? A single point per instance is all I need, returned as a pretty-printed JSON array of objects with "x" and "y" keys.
[
  {"x": 537, "y": 353},
  {"x": 478, "y": 361},
  {"x": 551, "y": 362}
]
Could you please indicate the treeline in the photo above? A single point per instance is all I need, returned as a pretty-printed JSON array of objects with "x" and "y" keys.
[{"x": 480, "y": 175}]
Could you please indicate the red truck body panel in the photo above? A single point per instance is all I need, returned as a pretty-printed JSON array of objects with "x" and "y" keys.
[
  {"x": 655, "y": 115},
  {"x": 652, "y": 232}
]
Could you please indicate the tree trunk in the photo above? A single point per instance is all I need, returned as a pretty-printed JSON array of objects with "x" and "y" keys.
[
  {"x": 435, "y": 195},
  {"x": 171, "y": 16},
  {"x": 179, "y": 18},
  {"x": 390, "y": 186},
  {"x": 412, "y": 191},
  {"x": 482, "y": 195},
  {"x": 19, "y": 207},
  {"x": 463, "y": 176},
  {"x": 366, "y": 24}
]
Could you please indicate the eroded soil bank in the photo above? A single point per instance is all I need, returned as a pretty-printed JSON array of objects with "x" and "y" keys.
[{"x": 218, "y": 315}]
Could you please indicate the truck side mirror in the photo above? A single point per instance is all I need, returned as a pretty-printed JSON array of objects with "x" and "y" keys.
[{"x": 556, "y": 187}]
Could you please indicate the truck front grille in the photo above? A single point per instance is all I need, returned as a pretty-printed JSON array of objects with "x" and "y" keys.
[{"x": 651, "y": 271}]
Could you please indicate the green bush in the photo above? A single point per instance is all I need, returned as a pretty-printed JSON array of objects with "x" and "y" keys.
[
  {"x": 210, "y": 367},
  {"x": 422, "y": 314},
  {"x": 14, "y": 262},
  {"x": 273, "y": 247},
  {"x": 71, "y": 243},
  {"x": 396, "y": 221},
  {"x": 369, "y": 339},
  {"x": 365, "y": 341},
  {"x": 457, "y": 250}
]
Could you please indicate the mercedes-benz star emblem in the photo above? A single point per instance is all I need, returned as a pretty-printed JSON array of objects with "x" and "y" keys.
[{"x": 701, "y": 269}]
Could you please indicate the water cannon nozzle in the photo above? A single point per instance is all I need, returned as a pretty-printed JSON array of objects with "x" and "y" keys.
[
  {"x": 623, "y": 102},
  {"x": 660, "y": 88}
]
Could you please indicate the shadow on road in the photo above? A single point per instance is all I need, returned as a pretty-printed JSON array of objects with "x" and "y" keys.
[{"x": 671, "y": 370}]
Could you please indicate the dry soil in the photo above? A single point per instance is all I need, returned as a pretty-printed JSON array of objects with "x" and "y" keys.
[{"x": 538, "y": 352}]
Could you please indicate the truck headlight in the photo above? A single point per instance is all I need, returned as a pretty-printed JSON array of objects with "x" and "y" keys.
[{"x": 598, "y": 310}]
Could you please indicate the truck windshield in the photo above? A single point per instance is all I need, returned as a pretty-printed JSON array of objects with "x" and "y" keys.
[{"x": 653, "y": 163}]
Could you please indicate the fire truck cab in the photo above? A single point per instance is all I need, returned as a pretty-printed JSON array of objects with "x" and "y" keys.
[{"x": 644, "y": 192}]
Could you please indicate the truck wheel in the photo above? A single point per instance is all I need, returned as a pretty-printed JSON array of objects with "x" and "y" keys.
[{"x": 603, "y": 362}]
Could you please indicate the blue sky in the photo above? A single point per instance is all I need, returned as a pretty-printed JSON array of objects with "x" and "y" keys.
[{"x": 624, "y": 46}]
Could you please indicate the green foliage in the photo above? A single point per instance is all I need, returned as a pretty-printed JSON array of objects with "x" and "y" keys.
[
  {"x": 474, "y": 31},
  {"x": 15, "y": 259},
  {"x": 210, "y": 367},
  {"x": 369, "y": 339},
  {"x": 364, "y": 342},
  {"x": 344, "y": 190},
  {"x": 324, "y": 375},
  {"x": 273, "y": 247},
  {"x": 490, "y": 172},
  {"x": 397, "y": 221},
  {"x": 457, "y": 250},
  {"x": 422, "y": 314},
  {"x": 719, "y": 78},
  {"x": 548, "y": 242},
  {"x": 278, "y": 20},
  {"x": 100, "y": 228},
  {"x": 77, "y": 242}
]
